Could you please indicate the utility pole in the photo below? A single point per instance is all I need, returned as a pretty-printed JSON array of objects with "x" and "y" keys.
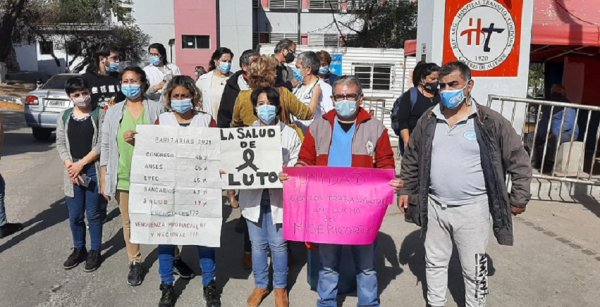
[{"x": 298, "y": 42}]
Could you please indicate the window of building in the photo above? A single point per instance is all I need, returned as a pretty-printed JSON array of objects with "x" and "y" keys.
[
  {"x": 323, "y": 39},
  {"x": 195, "y": 41},
  {"x": 260, "y": 38},
  {"x": 324, "y": 4},
  {"x": 276, "y": 37},
  {"x": 46, "y": 47},
  {"x": 283, "y": 4},
  {"x": 374, "y": 76}
]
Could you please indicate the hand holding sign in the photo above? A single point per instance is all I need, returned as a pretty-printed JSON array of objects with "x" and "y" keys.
[
  {"x": 251, "y": 157},
  {"x": 335, "y": 205}
]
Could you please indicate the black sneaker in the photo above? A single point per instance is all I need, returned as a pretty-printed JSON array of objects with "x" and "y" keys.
[
  {"x": 10, "y": 228},
  {"x": 212, "y": 295},
  {"x": 77, "y": 256},
  {"x": 134, "y": 278},
  {"x": 93, "y": 261},
  {"x": 182, "y": 269},
  {"x": 168, "y": 296}
]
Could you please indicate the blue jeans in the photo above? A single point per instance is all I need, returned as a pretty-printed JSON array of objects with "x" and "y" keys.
[
  {"x": 2, "y": 210},
  {"x": 86, "y": 201},
  {"x": 366, "y": 277},
  {"x": 265, "y": 235},
  {"x": 166, "y": 256}
]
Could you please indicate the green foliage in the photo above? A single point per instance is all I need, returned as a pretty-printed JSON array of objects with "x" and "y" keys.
[
  {"x": 129, "y": 39},
  {"x": 536, "y": 79},
  {"x": 82, "y": 25},
  {"x": 384, "y": 24}
]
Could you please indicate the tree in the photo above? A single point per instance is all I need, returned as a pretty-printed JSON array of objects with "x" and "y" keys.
[
  {"x": 81, "y": 26},
  {"x": 379, "y": 23},
  {"x": 11, "y": 11}
]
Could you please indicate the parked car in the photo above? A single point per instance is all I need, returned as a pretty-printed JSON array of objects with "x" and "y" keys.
[{"x": 43, "y": 105}]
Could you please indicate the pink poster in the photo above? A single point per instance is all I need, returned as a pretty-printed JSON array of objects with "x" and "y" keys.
[{"x": 337, "y": 205}]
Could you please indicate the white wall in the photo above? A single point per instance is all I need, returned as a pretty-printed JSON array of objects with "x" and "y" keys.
[
  {"x": 156, "y": 18},
  {"x": 235, "y": 27},
  {"x": 311, "y": 22},
  {"x": 27, "y": 57}
]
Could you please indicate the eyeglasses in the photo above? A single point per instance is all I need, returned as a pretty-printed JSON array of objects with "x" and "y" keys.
[
  {"x": 351, "y": 97},
  {"x": 291, "y": 51}
]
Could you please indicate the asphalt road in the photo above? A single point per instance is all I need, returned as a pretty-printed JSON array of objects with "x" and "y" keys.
[{"x": 555, "y": 260}]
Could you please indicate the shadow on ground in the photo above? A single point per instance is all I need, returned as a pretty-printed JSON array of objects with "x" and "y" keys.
[
  {"x": 412, "y": 253},
  {"x": 54, "y": 214},
  {"x": 18, "y": 142}
]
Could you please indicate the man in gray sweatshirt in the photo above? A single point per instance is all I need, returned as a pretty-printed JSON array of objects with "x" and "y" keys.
[{"x": 454, "y": 172}]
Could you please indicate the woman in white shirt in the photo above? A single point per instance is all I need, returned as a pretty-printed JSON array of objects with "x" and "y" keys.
[
  {"x": 183, "y": 99},
  {"x": 213, "y": 83},
  {"x": 159, "y": 71},
  {"x": 263, "y": 208}
]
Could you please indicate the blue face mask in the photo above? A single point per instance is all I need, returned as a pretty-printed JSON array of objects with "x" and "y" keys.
[
  {"x": 131, "y": 91},
  {"x": 154, "y": 60},
  {"x": 452, "y": 98},
  {"x": 345, "y": 108},
  {"x": 225, "y": 67},
  {"x": 113, "y": 67},
  {"x": 266, "y": 113},
  {"x": 181, "y": 106},
  {"x": 298, "y": 74},
  {"x": 323, "y": 70}
]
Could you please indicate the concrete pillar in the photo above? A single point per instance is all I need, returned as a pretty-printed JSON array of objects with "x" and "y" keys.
[{"x": 493, "y": 37}]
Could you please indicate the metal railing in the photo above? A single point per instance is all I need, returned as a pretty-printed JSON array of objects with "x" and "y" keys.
[
  {"x": 377, "y": 108},
  {"x": 561, "y": 138}
]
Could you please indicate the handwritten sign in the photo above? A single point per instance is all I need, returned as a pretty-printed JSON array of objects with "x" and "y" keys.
[
  {"x": 335, "y": 205},
  {"x": 251, "y": 157},
  {"x": 175, "y": 191}
]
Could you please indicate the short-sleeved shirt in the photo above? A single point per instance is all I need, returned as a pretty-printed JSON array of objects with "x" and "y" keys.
[
  {"x": 126, "y": 149},
  {"x": 456, "y": 173}
]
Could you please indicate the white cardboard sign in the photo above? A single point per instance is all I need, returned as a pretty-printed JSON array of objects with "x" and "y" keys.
[
  {"x": 175, "y": 191},
  {"x": 251, "y": 157}
]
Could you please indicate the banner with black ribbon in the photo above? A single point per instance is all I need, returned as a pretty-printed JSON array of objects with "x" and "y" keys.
[{"x": 251, "y": 157}]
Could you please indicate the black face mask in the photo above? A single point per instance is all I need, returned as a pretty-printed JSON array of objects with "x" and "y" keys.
[
  {"x": 431, "y": 87},
  {"x": 289, "y": 57}
]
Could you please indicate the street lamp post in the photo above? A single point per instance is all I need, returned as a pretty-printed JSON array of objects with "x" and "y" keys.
[{"x": 171, "y": 43}]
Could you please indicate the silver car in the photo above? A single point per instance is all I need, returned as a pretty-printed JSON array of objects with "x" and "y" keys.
[{"x": 43, "y": 105}]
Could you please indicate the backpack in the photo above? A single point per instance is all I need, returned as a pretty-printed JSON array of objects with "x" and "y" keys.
[
  {"x": 396, "y": 108},
  {"x": 95, "y": 115}
]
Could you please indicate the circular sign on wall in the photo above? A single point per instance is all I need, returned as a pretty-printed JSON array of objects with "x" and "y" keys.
[{"x": 482, "y": 34}]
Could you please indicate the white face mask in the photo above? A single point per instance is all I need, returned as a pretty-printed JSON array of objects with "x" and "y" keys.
[{"x": 82, "y": 101}]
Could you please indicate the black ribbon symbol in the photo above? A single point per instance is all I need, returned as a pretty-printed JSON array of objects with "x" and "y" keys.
[{"x": 248, "y": 159}]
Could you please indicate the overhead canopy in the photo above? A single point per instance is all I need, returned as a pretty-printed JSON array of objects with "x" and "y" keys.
[
  {"x": 566, "y": 23},
  {"x": 410, "y": 47}
]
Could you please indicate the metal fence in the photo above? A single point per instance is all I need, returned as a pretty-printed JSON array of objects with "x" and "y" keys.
[
  {"x": 561, "y": 138},
  {"x": 382, "y": 110}
]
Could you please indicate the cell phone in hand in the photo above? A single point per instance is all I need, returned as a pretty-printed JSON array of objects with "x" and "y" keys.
[{"x": 85, "y": 180}]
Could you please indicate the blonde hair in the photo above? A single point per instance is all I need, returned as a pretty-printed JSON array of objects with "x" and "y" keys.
[
  {"x": 262, "y": 72},
  {"x": 188, "y": 83}
]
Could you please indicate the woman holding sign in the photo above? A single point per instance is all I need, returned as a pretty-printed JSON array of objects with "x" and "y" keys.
[
  {"x": 116, "y": 153},
  {"x": 78, "y": 144},
  {"x": 182, "y": 98},
  {"x": 263, "y": 209}
]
